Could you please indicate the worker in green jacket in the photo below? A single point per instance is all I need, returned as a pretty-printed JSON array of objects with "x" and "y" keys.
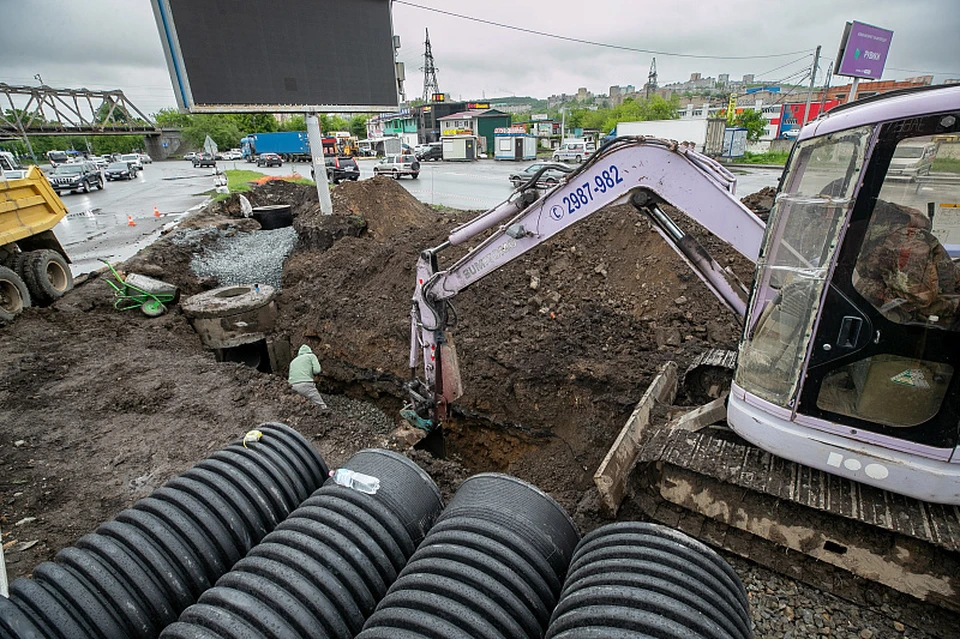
[{"x": 304, "y": 367}]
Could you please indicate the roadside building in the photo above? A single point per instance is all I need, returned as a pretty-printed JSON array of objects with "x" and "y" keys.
[
  {"x": 429, "y": 115},
  {"x": 401, "y": 125},
  {"x": 475, "y": 122}
]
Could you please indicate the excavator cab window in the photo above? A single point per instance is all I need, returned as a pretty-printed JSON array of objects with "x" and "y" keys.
[
  {"x": 905, "y": 273},
  {"x": 802, "y": 236}
]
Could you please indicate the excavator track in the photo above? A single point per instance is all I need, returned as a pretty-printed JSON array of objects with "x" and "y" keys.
[{"x": 798, "y": 520}]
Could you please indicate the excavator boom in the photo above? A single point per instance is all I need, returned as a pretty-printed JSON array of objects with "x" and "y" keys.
[{"x": 642, "y": 171}]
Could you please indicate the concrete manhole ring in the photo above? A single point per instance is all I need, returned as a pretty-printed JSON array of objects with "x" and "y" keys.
[{"x": 228, "y": 300}]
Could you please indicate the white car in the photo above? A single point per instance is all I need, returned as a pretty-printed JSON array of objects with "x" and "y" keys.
[
  {"x": 145, "y": 159},
  {"x": 133, "y": 159}
]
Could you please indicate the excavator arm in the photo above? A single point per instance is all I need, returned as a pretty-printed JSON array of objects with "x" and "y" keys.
[{"x": 638, "y": 170}]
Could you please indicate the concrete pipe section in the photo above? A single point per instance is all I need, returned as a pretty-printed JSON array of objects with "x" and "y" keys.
[
  {"x": 633, "y": 580},
  {"x": 136, "y": 574},
  {"x": 321, "y": 573},
  {"x": 232, "y": 316}
]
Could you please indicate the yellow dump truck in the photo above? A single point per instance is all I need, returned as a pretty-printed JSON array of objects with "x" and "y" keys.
[{"x": 34, "y": 268}]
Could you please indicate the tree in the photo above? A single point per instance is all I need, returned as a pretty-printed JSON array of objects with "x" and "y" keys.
[
  {"x": 222, "y": 129},
  {"x": 753, "y": 121},
  {"x": 171, "y": 119},
  {"x": 294, "y": 123},
  {"x": 358, "y": 126},
  {"x": 254, "y": 122}
]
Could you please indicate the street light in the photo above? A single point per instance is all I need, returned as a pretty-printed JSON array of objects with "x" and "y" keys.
[{"x": 39, "y": 79}]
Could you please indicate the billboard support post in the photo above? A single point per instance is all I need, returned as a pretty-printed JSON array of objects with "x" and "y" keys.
[
  {"x": 319, "y": 168},
  {"x": 853, "y": 90}
]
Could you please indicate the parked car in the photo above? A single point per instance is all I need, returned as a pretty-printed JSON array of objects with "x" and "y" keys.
[
  {"x": 133, "y": 159},
  {"x": 341, "y": 168},
  {"x": 120, "y": 171},
  {"x": 432, "y": 151},
  {"x": 397, "y": 165},
  {"x": 145, "y": 159},
  {"x": 552, "y": 176},
  {"x": 269, "y": 159},
  {"x": 204, "y": 159},
  {"x": 78, "y": 176},
  {"x": 190, "y": 157}
]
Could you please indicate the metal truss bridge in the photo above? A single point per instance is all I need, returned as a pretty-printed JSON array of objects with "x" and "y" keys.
[{"x": 43, "y": 110}]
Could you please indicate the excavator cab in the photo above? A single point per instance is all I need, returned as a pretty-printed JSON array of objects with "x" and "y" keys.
[{"x": 849, "y": 356}]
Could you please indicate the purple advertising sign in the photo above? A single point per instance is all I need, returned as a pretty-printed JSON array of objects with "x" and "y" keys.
[{"x": 863, "y": 50}]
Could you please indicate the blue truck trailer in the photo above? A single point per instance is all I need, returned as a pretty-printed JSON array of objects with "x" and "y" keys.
[{"x": 292, "y": 146}]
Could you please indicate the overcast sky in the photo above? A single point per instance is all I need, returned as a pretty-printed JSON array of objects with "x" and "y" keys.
[{"x": 107, "y": 44}]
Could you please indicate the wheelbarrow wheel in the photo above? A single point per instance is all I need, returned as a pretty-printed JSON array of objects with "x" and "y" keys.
[{"x": 153, "y": 308}]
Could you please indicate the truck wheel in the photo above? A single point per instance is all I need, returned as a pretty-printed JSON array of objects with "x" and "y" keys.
[
  {"x": 14, "y": 296},
  {"x": 47, "y": 276},
  {"x": 578, "y": 159},
  {"x": 414, "y": 175}
]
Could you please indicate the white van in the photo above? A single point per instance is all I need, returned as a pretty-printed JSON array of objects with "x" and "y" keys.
[{"x": 574, "y": 150}]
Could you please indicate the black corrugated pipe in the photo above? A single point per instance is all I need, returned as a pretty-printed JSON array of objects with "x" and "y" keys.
[
  {"x": 632, "y": 580},
  {"x": 136, "y": 574},
  {"x": 491, "y": 567},
  {"x": 321, "y": 573}
]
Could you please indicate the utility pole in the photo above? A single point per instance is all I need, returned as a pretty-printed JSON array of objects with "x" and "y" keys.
[
  {"x": 652, "y": 78},
  {"x": 430, "y": 84},
  {"x": 813, "y": 79}
]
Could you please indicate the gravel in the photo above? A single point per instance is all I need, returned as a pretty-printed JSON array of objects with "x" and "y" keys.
[
  {"x": 787, "y": 609},
  {"x": 244, "y": 257}
]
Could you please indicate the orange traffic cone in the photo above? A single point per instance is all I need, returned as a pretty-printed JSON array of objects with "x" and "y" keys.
[
  {"x": 130, "y": 221},
  {"x": 156, "y": 212}
]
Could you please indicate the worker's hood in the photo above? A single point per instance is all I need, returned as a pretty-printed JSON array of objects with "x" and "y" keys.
[{"x": 304, "y": 350}]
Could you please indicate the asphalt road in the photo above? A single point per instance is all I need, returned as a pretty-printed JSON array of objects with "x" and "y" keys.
[{"x": 97, "y": 225}]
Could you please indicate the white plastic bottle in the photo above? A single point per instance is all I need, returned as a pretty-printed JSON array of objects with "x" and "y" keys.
[{"x": 357, "y": 481}]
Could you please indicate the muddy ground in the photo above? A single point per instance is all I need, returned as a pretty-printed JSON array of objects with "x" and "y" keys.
[{"x": 100, "y": 407}]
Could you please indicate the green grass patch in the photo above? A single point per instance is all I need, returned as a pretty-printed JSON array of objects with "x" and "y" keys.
[
  {"x": 946, "y": 165},
  {"x": 238, "y": 180},
  {"x": 770, "y": 157}
]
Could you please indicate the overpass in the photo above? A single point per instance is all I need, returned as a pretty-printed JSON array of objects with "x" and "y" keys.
[{"x": 43, "y": 110}]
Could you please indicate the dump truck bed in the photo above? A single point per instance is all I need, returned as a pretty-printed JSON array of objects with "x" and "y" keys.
[{"x": 28, "y": 207}]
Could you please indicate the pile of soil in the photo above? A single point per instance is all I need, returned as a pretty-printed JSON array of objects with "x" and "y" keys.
[{"x": 101, "y": 407}]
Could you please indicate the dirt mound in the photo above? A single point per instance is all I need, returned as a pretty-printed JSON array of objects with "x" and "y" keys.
[
  {"x": 555, "y": 348},
  {"x": 761, "y": 202},
  {"x": 387, "y": 207},
  {"x": 302, "y": 198}
]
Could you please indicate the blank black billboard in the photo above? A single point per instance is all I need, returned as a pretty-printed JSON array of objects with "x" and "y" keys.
[{"x": 276, "y": 55}]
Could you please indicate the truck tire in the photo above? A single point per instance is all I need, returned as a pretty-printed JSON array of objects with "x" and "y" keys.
[
  {"x": 14, "y": 296},
  {"x": 47, "y": 276}
]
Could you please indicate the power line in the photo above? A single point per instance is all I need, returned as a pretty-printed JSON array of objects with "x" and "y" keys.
[
  {"x": 800, "y": 59},
  {"x": 591, "y": 42}
]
